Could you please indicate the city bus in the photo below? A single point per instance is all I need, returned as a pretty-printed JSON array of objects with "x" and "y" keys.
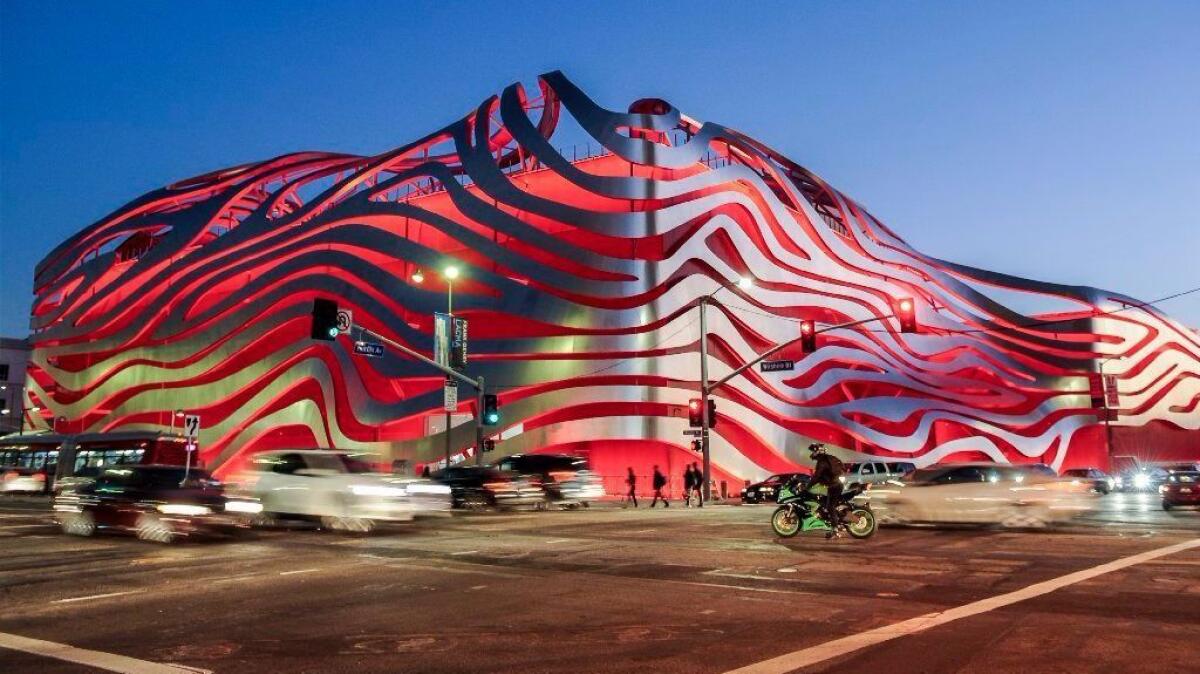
[{"x": 46, "y": 462}]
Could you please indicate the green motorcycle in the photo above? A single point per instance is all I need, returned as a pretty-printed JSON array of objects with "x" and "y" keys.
[{"x": 800, "y": 510}]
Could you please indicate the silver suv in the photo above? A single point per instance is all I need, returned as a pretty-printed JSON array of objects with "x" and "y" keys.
[{"x": 873, "y": 472}]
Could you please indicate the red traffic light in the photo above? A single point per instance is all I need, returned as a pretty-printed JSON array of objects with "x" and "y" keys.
[
  {"x": 808, "y": 336},
  {"x": 906, "y": 312},
  {"x": 695, "y": 419}
]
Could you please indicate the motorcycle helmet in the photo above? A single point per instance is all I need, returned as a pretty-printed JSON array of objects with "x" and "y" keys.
[{"x": 815, "y": 450}]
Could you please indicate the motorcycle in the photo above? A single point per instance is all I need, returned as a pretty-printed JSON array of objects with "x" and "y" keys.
[{"x": 801, "y": 510}]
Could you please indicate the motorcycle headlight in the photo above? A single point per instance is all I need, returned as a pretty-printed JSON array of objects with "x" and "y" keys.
[{"x": 183, "y": 509}]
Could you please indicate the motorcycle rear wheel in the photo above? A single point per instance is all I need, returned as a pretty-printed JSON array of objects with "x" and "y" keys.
[
  {"x": 785, "y": 521},
  {"x": 864, "y": 524}
]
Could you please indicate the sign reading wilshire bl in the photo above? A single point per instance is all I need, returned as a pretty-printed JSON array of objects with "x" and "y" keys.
[
  {"x": 369, "y": 349},
  {"x": 776, "y": 365}
]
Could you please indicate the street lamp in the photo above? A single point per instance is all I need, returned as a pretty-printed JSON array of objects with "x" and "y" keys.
[
  {"x": 8, "y": 412},
  {"x": 745, "y": 283}
]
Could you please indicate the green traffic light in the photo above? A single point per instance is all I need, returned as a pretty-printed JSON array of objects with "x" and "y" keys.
[
  {"x": 333, "y": 332},
  {"x": 493, "y": 418}
]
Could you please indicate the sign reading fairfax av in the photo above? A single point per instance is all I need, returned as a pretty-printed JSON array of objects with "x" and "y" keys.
[
  {"x": 368, "y": 349},
  {"x": 776, "y": 365}
]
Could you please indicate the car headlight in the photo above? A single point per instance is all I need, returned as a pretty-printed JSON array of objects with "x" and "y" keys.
[
  {"x": 243, "y": 507},
  {"x": 183, "y": 509},
  {"x": 1141, "y": 481},
  {"x": 428, "y": 489},
  {"x": 376, "y": 490}
]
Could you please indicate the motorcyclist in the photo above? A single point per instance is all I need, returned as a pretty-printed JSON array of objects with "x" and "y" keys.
[{"x": 826, "y": 471}]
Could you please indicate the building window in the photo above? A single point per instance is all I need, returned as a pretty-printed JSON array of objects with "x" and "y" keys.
[{"x": 3, "y": 371}]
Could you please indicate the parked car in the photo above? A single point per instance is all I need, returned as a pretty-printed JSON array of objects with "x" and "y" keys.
[
  {"x": 567, "y": 480},
  {"x": 767, "y": 490},
  {"x": 1100, "y": 481},
  {"x": 983, "y": 493},
  {"x": 873, "y": 472},
  {"x": 337, "y": 490},
  {"x": 157, "y": 503},
  {"x": 1181, "y": 488},
  {"x": 477, "y": 487}
]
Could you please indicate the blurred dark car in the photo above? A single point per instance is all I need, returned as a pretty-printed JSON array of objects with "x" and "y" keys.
[
  {"x": 1101, "y": 481},
  {"x": 1181, "y": 488},
  {"x": 157, "y": 503},
  {"x": 478, "y": 487},
  {"x": 767, "y": 490},
  {"x": 567, "y": 480}
]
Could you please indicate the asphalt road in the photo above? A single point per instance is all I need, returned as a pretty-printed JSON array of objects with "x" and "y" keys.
[{"x": 612, "y": 590}]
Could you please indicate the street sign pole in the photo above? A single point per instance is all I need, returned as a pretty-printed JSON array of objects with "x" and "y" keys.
[{"x": 704, "y": 420}]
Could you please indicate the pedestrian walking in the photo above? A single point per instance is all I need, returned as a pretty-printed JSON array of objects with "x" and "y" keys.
[
  {"x": 688, "y": 484},
  {"x": 631, "y": 496},
  {"x": 659, "y": 481},
  {"x": 697, "y": 485}
]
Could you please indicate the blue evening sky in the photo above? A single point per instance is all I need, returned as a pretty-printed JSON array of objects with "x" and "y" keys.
[{"x": 1059, "y": 141}]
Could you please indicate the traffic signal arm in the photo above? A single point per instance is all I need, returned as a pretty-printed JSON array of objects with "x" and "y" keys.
[{"x": 812, "y": 335}]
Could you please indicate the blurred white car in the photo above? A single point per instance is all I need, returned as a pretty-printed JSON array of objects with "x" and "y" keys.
[
  {"x": 981, "y": 493},
  {"x": 337, "y": 490}
]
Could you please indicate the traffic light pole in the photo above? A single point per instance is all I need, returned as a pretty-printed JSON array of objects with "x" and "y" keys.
[
  {"x": 450, "y": 373},
  {"x": 479, "y": 422},
  {"x": 705, "y": 422}
]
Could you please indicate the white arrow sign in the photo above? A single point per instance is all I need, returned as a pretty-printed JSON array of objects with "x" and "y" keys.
[{"x": 191, "y": 427}]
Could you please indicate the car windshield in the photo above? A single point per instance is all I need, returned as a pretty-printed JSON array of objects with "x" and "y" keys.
[
  {"x": 923, "y": 475},
  {"x": 1076, "y": 472},
  {"x": 338, "y": 463},
  {"x": 1192, "y": 476}
]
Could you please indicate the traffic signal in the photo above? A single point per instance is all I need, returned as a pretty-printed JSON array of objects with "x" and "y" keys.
[
  {"x": 694, "y": 419},
  {"x": 906, "y": 311},
  {"x": 697, "y": 446},
  {"x": 712, "y": 412},
  {"x": 808, "y": 336},
  {"x": 324, "y": 320},
  {"x": 489, "y": 445},
  {"x": 491, "y": 410}
]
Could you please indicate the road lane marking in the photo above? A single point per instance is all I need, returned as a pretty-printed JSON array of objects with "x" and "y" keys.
[
  {"x": 463, "y": 552},
  {"x": 98, "y": 659},
  {"x": 95, "y": 596},
  {"x": 289, "y": 573},
  {"x": 806, "y": 657},
  {"x": 25, "y": 526},
  {"x": 558, "y": 540}
]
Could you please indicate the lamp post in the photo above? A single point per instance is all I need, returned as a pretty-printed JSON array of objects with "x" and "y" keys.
[
  {"x": 745, "y": 284},
  {"x": 449, "y": 273},
  {"x": 8, "y": 413}
]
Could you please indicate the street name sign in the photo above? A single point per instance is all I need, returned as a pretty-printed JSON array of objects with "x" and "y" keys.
[
  {"x": 776, "y": 365},
  {"x": 368, "y": 349}
]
